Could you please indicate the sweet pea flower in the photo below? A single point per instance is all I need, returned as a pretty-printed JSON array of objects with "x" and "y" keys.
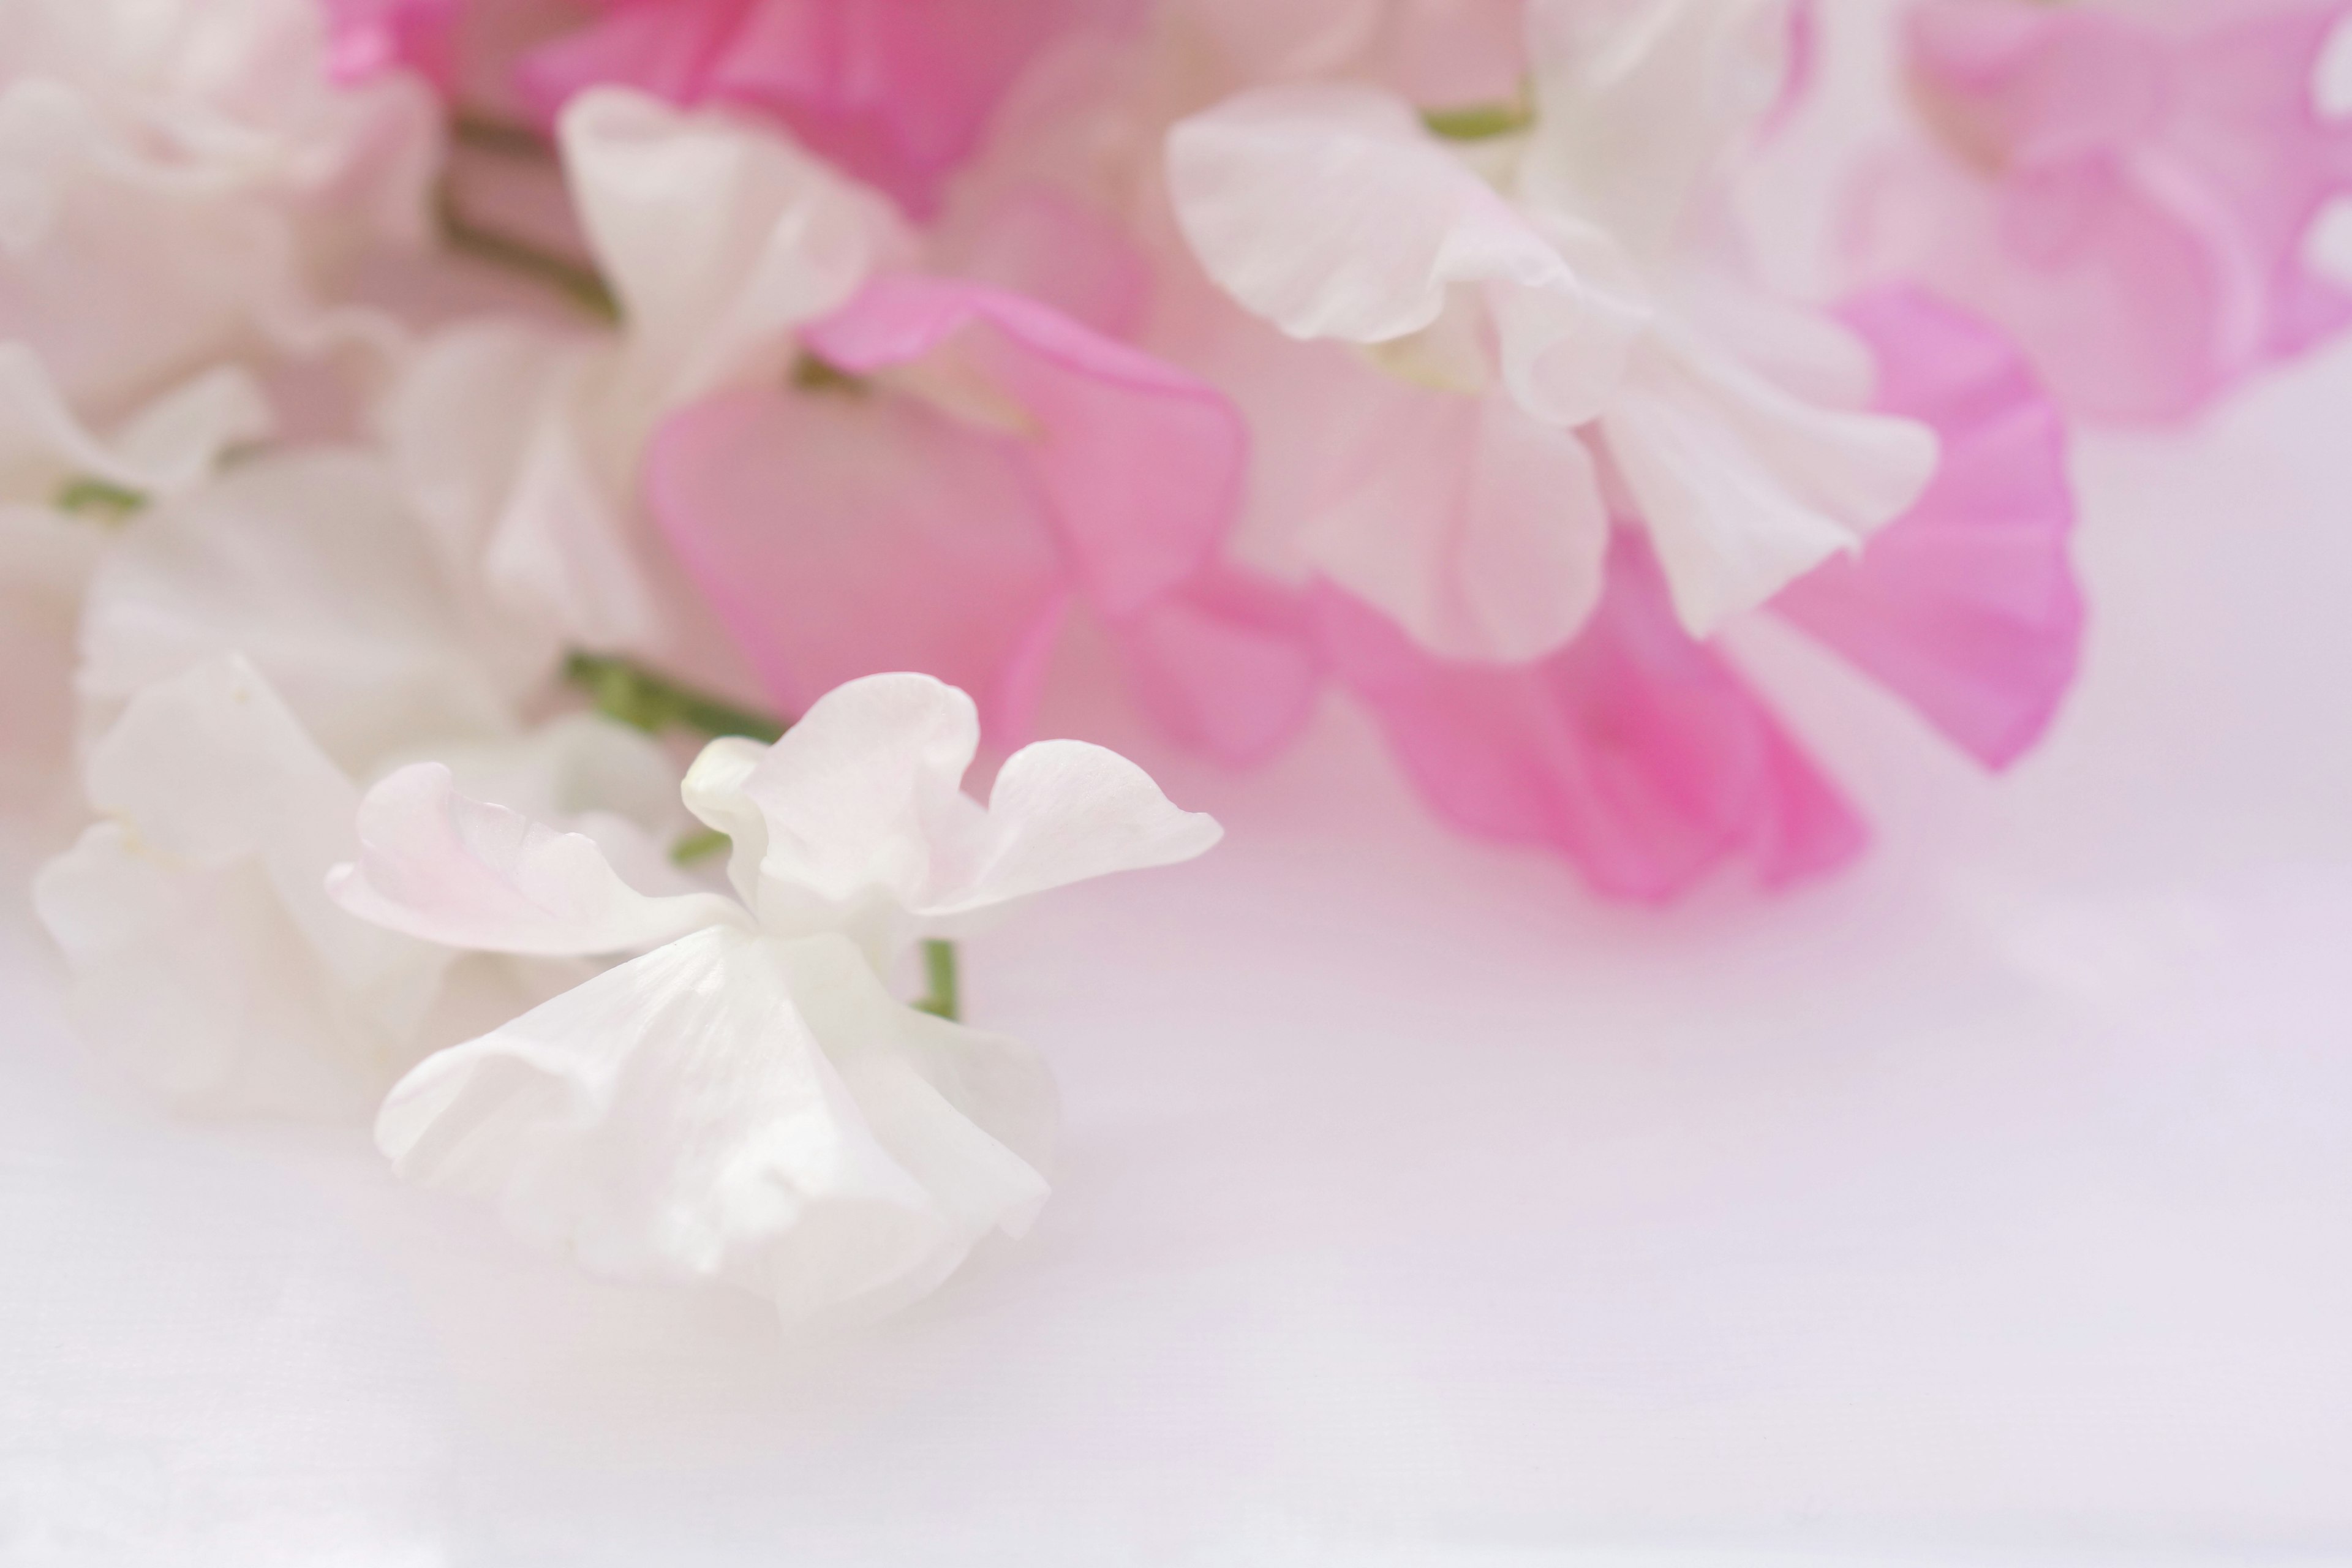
[
  {"x": 745, "y": 1101},
  {"x": 182, "y": 179},
  {"x": 896, "y": 92},
  {"x": 1552, "y": 346},
  {"x": 2129, "y": 191},
  {"x": 1641, "y": 754}
]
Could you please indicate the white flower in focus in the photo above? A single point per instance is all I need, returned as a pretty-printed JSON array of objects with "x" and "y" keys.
[
  {"x": 522, "y": 442},
  {"x": 177, "y": 177},
  {"x": 746, "y": 1101},
  {"x": 1545, "y": 281}
]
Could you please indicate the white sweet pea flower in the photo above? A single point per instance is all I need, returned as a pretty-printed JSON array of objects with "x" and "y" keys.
[
  {"x": 746, "y": 1101},
  {"x": 1552, "y": 275},
  {"x": 179, "y": 177},
  {"x": 522, "y": 442},
  {"x": 203, "y": 953}
]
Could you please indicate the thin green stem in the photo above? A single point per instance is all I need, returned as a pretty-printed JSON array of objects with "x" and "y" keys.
[
  {"x": 628, "y": 692},
  {"x": 946, "y": 1000},
  {"x": 1479, "y": 121},
  {"x": 810, "y": 373},
  {"x": 87, "y": 497}
]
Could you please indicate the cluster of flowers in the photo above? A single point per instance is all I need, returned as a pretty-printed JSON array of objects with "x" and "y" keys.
[{"x": 413, "y": 411}]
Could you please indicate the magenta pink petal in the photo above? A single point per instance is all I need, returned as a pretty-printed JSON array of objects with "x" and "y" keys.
[
  {"x": 840, "y": 534},
  {"x": 368, "y": 37},
  {"x": 1968, "y": 606},
  {"x": 1635, "y": 751},
  {"x": 1141, "y": 463}
]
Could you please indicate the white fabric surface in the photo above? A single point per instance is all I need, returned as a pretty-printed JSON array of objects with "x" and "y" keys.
[{"x": 1991, "y": 1205}]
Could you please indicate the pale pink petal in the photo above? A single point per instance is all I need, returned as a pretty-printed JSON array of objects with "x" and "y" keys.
[
  {"x": 1140, "y": 463},
  {"x": 465, "y": 873},
  {"x": 368, "y": 37},
  {"x": 1968, "y": 606},
  {"x": 2129, "y": 196},
  {"x": 1635, "y": 751},
  {"x": 1229, "y": 665},
  {"x": 898, "y": 92},
  {"x": 840, "y": 534}
]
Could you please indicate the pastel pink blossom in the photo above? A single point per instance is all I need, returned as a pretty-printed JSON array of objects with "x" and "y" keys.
[
  {"x": 897, "y": 92},
  {"x": 368, "y": 37},
  {"x": 1639, "y": 752},
  {"x": 1968, "y": 608},
  {"x": 2129, "y": 195},
  {"x": 970, "y": 466}
]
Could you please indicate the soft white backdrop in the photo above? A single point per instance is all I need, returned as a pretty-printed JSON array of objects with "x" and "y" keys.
[{"x": 1991, "y": 1205}]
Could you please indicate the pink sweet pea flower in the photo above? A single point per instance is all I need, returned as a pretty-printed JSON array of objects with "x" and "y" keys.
[
  {"x": 897, "y": 92},
  {"x": 1638, "y": 751},
  {"x": 960, "y": 466},
  {"x": 2127, "y": 196}
]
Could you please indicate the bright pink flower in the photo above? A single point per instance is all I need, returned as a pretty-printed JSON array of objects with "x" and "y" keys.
[
  {"x": 368, "y": 37},
  {"x": 896, "y": 92},
  {"x": 992, "y": 463},
  {"x": 2128, "y": 197},
  {"x": 1639, "y": 752}
]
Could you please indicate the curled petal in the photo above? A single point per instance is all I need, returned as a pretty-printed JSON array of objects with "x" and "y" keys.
[
  {"x": 1635, "y": 751},
  {"x": 435, "y": 865},
  {"x": 727, "y": 1109},
  {"x": 165, "y": 449},
  {"x": 1967, "y": 606},
  {"x": 1744, "y": 486},
  {"x": 1328, "y": 210}
]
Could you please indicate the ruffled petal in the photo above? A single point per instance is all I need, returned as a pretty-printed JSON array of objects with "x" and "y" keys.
[
  {"x": 202, "y": 948},
  {"x": 725, "y": 1109},
  {"x": 1967, "y": 606},
  {"x": 1328, "y": 210},
  {"x": 435, "y": 865},
  {"x": 1636, "y": 753},
  {"x": 311, "y": 566},
  {"x": 1744, "y": 486}
]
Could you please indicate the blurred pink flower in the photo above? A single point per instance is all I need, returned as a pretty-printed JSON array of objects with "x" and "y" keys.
[
  {"x": 961, "y": 465},
  {"x": 2129, "y": 195},
  {"x": 1640, "y": 753},
  {"x": 367, "y": 38},
  {"x": 897, "y": 92}
]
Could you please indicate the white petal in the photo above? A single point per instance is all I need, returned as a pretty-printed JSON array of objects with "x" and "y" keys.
[
  {"x": 200, "y": 940},
  {"x": 1745, "y": 487},
  {"x": 311, "y": 566},
  {"x": 435, "y": 865},
  {"x": 1638, "y": 101},
  {"x": 1328, "y": 210},
  {"x": 719, "y": 236},
  {"x": 164, "y": 450},
  {"x": 724, "y": 1110}
]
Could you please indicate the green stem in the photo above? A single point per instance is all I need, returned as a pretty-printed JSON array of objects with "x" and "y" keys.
[
  {"x": 939, "y": 967},
  {"x": 1478, "y": 122},
  {"x": 87, "y": 497},
  {"x": 578, "y": 281},
  {"x": 638, "y": 696}
]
